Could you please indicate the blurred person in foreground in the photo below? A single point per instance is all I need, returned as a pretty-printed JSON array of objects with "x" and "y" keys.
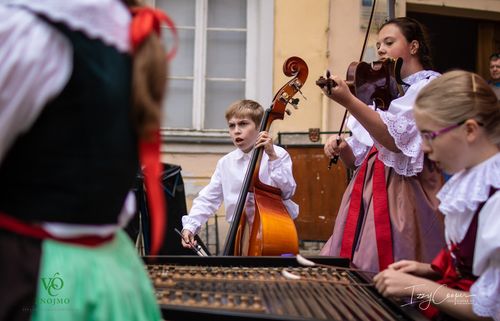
[{"x": 80, "y": 96}]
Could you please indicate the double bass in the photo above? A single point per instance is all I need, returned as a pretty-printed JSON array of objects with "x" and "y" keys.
[{"x": 273, "y": 231}]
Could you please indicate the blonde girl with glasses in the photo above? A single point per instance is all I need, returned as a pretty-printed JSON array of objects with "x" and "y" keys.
[{"x": 459, "y": 117}]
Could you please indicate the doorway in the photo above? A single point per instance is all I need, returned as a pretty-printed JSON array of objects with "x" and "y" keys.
[{"x": 460, "y": 42}]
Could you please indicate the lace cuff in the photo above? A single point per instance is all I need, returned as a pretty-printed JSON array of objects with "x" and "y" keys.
[
  {"x": 358, "y": 149},
  {"x": 407, "y": 138},
  {"x": 484, "y": 292}
]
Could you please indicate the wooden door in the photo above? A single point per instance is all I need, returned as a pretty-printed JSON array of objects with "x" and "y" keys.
[{"x": 319, "y": 191}]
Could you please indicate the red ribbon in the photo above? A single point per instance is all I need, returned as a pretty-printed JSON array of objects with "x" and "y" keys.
[
  {"x": 14, "y": 225},
  {"x": 354, "y": 210},
  {"x": 383, "y": 232},
  {"x": 443, "y": 264},
  {"x": 146, "y": 20},
  {"x": 149, "y": 154}
]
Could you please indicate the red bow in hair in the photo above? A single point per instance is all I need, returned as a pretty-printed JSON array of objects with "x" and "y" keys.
[{"x": 146, "y": 20}]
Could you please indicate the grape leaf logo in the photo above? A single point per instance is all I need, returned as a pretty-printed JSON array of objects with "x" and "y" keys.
[{"x": 53, "y": 284}]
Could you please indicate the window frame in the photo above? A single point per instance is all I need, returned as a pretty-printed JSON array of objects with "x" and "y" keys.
[{"x": 259, "y": 69}]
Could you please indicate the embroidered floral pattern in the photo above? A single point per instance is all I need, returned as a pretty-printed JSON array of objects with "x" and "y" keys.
[{"x": 401, "y": 126}]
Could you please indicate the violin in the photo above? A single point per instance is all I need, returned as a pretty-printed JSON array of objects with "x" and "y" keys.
[
  {"x": 377, "y": 83},
  {"x": 273, "y": 231}
]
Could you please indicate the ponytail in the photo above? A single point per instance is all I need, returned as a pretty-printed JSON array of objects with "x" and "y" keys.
[
  {"x": 149, "y": 80},
  {"x": 149, "y": 74}
]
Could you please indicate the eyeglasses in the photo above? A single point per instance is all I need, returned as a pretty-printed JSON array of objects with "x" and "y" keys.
[{"x": 430, "y": 136}]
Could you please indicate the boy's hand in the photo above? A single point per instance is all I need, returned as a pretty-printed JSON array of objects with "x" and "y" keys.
[
  {"x": 188, "y": 240},
  {"x": 264, "y": 140}
]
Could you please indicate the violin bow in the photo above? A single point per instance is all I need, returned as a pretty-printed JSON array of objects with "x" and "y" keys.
[{"x": 335, "y": 158}]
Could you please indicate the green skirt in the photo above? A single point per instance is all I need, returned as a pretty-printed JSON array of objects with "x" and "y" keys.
[{"x": 103, "y": 283}]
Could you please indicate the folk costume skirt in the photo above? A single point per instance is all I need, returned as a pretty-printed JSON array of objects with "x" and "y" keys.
[
  {"x": 80, "y": 283},
  {"x": 416, "y": 229}
]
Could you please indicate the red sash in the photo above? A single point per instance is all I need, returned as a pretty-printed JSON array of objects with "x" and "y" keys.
[
  {"x": 444, "y": 265},
  {"x": 381, "y": 218},
  {"x": 19, "y": 227},
  {"x": 145, "y": 21}
]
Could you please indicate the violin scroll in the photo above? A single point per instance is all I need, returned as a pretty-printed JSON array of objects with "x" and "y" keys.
[{"x": 326, "y": 82}]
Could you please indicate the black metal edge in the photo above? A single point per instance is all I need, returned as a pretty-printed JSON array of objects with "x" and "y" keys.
[
  {"x": 253, "y": 261},
  {"x": 173, "y": 313},
  {"x": 311, "y": 145}
]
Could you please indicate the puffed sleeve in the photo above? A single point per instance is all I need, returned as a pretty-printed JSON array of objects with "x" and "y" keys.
[
  {"x": 207, "y": 202},
  {"x": 36, "y": 63},
  {"x": 359, "y": 150},
  {"x": 280, "y": 172},
  {"x": 401, "y": 125},
  {"x": 485, "y": 291}
]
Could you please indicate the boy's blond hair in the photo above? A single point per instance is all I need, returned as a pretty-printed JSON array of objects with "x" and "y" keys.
[{"x": 246, "y": 108}]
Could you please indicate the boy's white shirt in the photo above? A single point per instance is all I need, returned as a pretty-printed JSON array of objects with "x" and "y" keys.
[{"x": 227, "y": 180}]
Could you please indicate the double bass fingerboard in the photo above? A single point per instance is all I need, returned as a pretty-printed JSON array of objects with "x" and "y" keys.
[{"x": 280, "y": 293}]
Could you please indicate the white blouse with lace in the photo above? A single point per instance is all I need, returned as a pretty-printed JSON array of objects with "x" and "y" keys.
[
  {"x": 460, "y": 198},
  {"x": 401, "y": 126}
]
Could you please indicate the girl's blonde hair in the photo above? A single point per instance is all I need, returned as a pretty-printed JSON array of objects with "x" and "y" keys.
[
  {"x": 246, "y": 108},
  {"x": 459, "y": 95},
  {"x": 149, "y": 80}
]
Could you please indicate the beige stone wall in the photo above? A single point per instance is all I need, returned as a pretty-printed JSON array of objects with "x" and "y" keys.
[{"x": 301, "y": 29}]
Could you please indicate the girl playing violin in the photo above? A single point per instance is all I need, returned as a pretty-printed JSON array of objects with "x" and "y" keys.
[
  {"x": 388, "y": 210},
  {"x": 458, "y": 116}
]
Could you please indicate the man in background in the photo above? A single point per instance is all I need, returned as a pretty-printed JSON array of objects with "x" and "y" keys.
[{"x": 494, "y": 82}]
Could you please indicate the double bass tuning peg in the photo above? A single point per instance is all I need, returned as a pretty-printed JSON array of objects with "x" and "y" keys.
[
  {"x": 297, "y": 84},
  {"x": 294, "y": 102}
]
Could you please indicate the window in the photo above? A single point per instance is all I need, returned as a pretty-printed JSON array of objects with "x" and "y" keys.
[{"x": 225, "y": 53}]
